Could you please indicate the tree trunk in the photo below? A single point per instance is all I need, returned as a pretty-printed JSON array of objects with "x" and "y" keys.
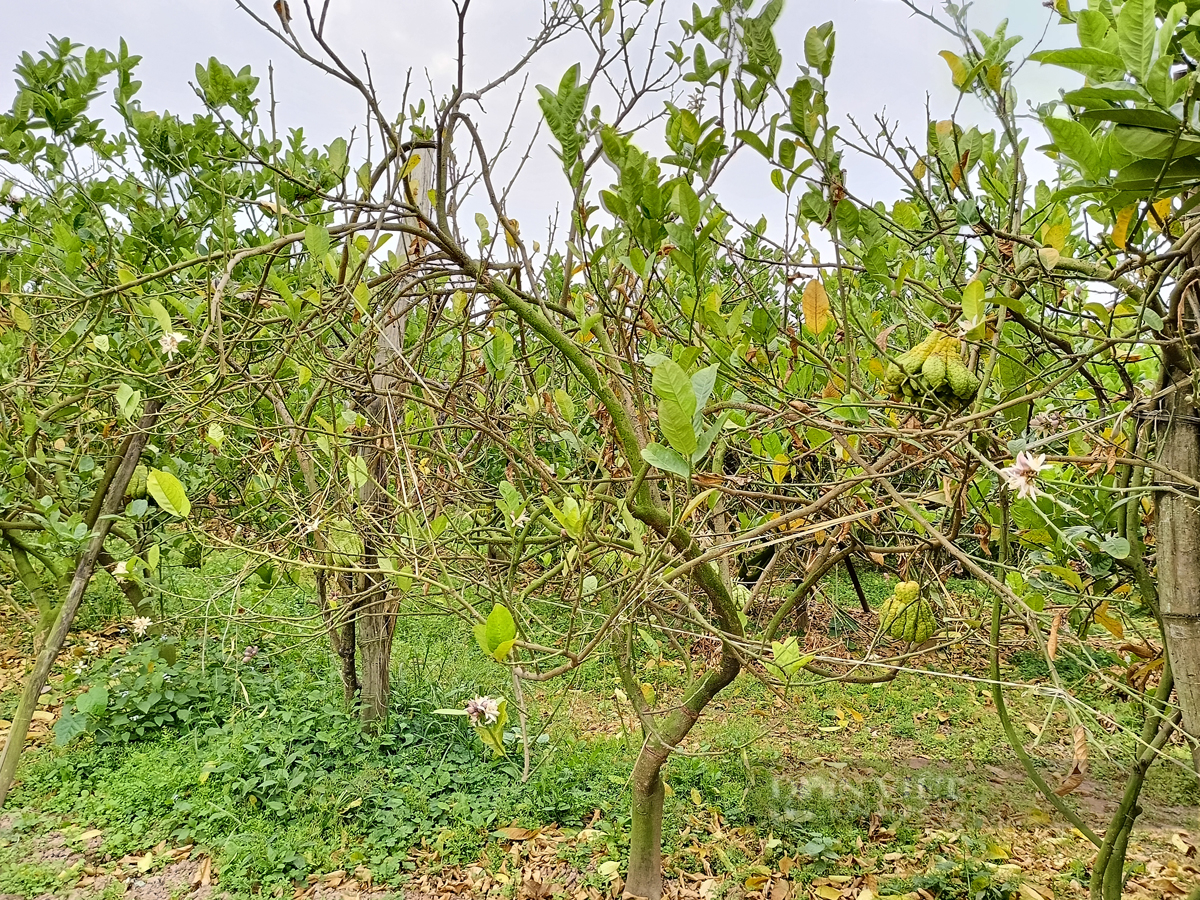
[
  {"x": 376, "y": 626},
  {"x": 105, "y": 507},
  {"x": 1178, "y": 546},
  {"x": 377, "y": 607},
  {"x": 645, "y": 839},
  {"x": 1177, "y": 519}
]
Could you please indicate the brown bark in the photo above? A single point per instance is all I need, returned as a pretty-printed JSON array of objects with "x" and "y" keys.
[{"x": 1178, "y": 545}]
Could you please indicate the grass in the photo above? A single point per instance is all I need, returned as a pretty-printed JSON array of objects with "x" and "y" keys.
[{"x": 274, "y": 779}]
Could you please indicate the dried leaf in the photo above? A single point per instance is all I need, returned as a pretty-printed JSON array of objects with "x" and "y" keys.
[
  {"x": 1052, "y": 641},
  {"x": 1079, "y": 767}
]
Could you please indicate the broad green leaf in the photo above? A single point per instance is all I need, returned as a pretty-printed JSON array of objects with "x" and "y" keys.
[
  {"x": 357, "y": 472},
  {"x": 1136, "y": 33},
  {"x": 687, "y": 204},
  {"x": 666, "y": 459},
  {"x": 1124, "y": 115},
  {"x": 317, "y": 240},
  {"x": 1116, "y": 547},
  {"x": 161, "y": 316},
  {"x": 703, "y": 382},
  {"x": 92, "y": 701},
  {"x": 502, "y": 650},
  {"x": 1078, "y": 58},
  {"x": 129, "y": 401},
  {"x": 815, "y": 53},
  {"x": 1070, "y": 576},
  {"x": 168, "y": 493},
  {"x": 21, "y": 318},
  {"x": 500, "y": 628},
  {"x": 974, "y": 306},
  {"x": 1073, "y": 140},
  {"x": 565, "y": 405},
  {"x": 1147, "y": 143},
  {"x": 676, "y": 406}
]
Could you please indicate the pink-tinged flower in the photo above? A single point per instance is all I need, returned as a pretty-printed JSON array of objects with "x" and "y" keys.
[
  {"x": 1022, "y": 474},
  {"x": 169, "y": 342},
  {"x": 485, "y": 709},
  {"x": 141, "y": 625}
]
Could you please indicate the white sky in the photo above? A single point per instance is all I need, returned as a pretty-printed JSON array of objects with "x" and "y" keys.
[{"x": 886, "y": 59}]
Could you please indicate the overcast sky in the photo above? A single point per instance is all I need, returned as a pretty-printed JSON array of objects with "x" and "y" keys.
[{"x": 886, "y": 59}]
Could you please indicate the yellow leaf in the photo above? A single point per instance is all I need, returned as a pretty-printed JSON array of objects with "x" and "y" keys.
[
  {"x": 1049, "y": 257},
  {"x": 958, "y": 69},
  {"x": 20, "y": 318},
  {"x": 919, "y": 170},
  {"x": 1120, "y": 232},
  {"x": 1055, "y": 236},
  {"x": 1159, "y": 213},
  {"x": 1110, "y": 623},
  {"x": 827, "y": 892},
  {"x": 696, "y": 798},
  {"x": 815, "y": 304},
  {"x": 511, "y": 233},
  {"x": 756, "y": 882},
  {"x": 695, "y": 503},
  {"x": 994, "y": 75},
  {"x": 779, "y": 470}
]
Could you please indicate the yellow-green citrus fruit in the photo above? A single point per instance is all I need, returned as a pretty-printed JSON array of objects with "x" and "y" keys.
[
  {"x": 906, "y": 616},
  {"x": 912, "y": 361},
  {"x": 961, "y": 379},
  {"x": 933, "y": 372},
  {"x": 137, "y": 482}
]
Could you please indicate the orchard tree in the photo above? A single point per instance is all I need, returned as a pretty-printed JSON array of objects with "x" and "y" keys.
[{"x": 654, "y": 438}]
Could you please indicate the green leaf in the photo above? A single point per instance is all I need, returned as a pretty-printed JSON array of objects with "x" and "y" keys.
[
  {"x": 974, "y": 307},
  {"x": 753, "y": 140},
  {"x": 1115, "y": 546},
  {"x": 666, "y": 459},
  {"x": 703, "y": 383},
  {"x": 1078, "y": 58},
  {"x": 168, "y": 493},
  {"x": 1146, "y": 143},
  {"x": 1146, "y": 118},
  {"x": 815, "y": 53},
  {"x": 1070, "y": 576},
  {"x": 357, "y": 473},
  {"x": 500, "y": 629},
  {"x": 1073, "y": 140},
  {"x": 687, "y": 204},
  {"x": 676, "y": 406},
  {"x": 1136, "y": 32},
  {"x": 1100, "y": 94},
  {"x": 92, "y": 701},
  {"x": 129, "y": 401},
  {"x": 565, "y": 405},
  {"x": 316, "y": 240},
  {"x": 161, "y": 316}
]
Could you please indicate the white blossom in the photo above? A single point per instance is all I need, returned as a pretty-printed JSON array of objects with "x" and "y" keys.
[
  {"x": 1022, "y": 474},
  {"x": 486, "y": 709},
  {"x": 169, "y": 342},
  {"x": 140, "y": 625}
]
